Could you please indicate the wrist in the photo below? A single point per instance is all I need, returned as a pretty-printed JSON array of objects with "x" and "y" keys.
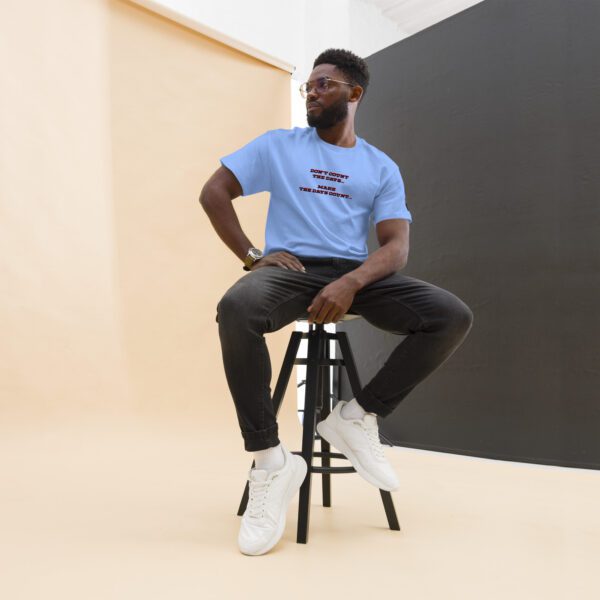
[
  {"x": 354, "y": 280},
  {"x": 253, "y": 256}
]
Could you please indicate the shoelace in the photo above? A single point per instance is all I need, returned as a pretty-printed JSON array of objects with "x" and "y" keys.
[
  {"x": 258, "y": 498},
  {"x": 373, "y": 437}
]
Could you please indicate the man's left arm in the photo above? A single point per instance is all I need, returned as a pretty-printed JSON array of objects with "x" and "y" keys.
[{"x": 334, "y": 300}]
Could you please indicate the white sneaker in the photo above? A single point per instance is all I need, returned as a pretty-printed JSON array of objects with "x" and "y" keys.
[
  {"x": 270, "y": 493},
  {"x": 358, "y": 440}
]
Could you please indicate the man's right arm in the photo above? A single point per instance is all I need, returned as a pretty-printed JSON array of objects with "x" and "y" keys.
[{"x": 216, "y": 199}]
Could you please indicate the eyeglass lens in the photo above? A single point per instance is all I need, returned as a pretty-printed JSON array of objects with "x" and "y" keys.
[{"x": 320, "y": 86}]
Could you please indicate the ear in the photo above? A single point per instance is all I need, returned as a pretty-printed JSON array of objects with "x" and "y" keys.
[{"x": 356, "y": 93}]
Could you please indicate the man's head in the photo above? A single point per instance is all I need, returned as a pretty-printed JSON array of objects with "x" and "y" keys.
[{"x": 337, "y": 85}]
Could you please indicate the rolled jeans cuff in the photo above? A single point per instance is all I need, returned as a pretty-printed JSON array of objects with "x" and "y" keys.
[
  {"x": 371, "y": 404},
  {"x": 261, "y": 439}
]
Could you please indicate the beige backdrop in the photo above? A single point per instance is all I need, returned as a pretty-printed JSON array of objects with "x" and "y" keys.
[{"x": 112, "y": 119}]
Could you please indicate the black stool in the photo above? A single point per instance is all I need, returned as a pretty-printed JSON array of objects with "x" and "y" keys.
[{"x": 318, "y": 401}]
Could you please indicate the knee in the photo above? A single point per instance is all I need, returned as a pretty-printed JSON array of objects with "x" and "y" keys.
[
  {"x": 456, "y": 316},
  {"x": 237, "y": 308},
  {"x": 230, "y": 307},
  {"x": 465, "y": 319}
]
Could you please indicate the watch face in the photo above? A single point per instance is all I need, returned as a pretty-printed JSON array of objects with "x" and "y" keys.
[{"x": 255, "y": 253}]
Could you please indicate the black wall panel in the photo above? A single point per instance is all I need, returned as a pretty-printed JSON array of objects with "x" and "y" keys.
[{"x": 493, "y": 116}]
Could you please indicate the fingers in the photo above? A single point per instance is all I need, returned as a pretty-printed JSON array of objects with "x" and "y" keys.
[
  {"x": 328, "y": 313},
  {"x": 281, "y": 259},
  {"x": 289, "y": 261},
  {"x": 334, "y": 317},
  {"x": 322, "y": 311},
  {"x": 315, "y": 307}
]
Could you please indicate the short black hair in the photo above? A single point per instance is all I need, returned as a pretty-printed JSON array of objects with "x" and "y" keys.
[{"x": 352, "y": 66}]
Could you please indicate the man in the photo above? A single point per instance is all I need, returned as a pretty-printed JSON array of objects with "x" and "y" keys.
[{"x": 325, "y": 184}]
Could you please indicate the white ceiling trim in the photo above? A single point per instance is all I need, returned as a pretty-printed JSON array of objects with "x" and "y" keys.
[
  {"x": 220, "y": 36},
  {"x": 413, "y": 16}
]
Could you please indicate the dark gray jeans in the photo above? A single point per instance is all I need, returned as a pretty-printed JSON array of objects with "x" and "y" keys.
[{"x": 267, "y": 299}]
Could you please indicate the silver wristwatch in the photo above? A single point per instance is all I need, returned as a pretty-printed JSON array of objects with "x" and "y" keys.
[{"x": 253, "y": 255}]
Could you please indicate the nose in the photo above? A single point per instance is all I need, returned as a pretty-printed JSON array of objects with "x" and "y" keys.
[{"x": 311, "y": 95}]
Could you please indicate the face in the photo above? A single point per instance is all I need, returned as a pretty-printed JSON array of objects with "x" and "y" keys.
[{"x": 331, "y": 106}]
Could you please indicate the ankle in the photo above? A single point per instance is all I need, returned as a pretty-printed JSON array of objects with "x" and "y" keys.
[
  {"x": 270, "y": 459},
  {"x": 353, "y": 410}
]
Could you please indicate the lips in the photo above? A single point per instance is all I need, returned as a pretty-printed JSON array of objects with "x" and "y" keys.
[{"x": 313, "y": 106}]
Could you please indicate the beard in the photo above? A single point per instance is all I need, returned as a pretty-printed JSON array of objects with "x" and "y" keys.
[{"x": 328, "y": 117}]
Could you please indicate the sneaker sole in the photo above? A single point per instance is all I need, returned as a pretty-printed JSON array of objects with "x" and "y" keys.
[
  {"x": 295, "y": 482},
  {"x": 332, "y": 437}
]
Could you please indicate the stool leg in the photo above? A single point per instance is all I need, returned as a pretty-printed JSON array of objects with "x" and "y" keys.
[
  {"x": 324, "y": 413},
  {"x": 308, "y": 428},
  {"x": 348, "y": 358},
  {"x": 282, "y": 383},
  {"x": 286, "y": 370}
]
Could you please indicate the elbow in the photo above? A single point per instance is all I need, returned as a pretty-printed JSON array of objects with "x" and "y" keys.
[
  {"x": 399, "y": 252},
  {"x": 203, "y": 199},
  {"x": 213, "y": 195},
  {"x": 400, "y": 264},
  {"x": 402, "y": 259}
]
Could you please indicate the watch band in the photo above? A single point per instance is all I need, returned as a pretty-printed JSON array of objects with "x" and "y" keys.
[{"x": 254, "y": 254}]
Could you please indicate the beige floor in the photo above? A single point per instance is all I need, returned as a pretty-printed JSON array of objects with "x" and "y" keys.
[{"x": 128, "y": 508}]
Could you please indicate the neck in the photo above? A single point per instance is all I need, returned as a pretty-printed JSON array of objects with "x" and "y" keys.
[{"x": 340, "y": 134}]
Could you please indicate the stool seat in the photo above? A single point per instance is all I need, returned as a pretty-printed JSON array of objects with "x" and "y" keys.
[
  {"x": 346, "y": 317},
  {"x": 317, "y": 406}
]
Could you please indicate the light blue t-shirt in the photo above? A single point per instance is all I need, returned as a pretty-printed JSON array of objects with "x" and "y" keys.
[{"x": 322, "y": 195}]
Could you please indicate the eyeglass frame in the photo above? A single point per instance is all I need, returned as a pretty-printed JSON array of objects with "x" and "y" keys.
[{"x": 327, "y": 78}]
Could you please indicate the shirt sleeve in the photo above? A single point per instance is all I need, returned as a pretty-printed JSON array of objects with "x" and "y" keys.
[
  {"x": 390, "y": 200},
  {"x": 251, "y": 165}
]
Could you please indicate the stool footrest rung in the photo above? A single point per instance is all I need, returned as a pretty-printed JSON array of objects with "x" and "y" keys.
[
  {"x": 317, "y": 469},
  {"x": 323, "y": 454},
  {"x": 327, "y": 361}
]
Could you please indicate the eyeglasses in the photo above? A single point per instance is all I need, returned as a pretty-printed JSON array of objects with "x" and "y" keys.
[{"x": 322, "y": 85}]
